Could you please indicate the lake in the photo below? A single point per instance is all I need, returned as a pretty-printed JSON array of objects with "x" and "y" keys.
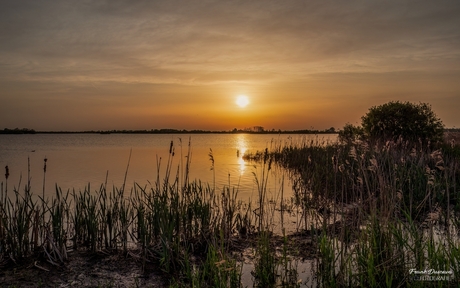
[{"x": 76, "y": 160}]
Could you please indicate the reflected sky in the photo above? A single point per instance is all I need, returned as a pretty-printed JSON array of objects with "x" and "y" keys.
[{"x": 75, "y": 160}]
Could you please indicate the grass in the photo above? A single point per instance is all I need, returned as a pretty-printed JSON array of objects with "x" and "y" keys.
[
  {"x": 182, "y": 227},
  {"x": 371, "y": 214},
  {"x": 380, "y": 210}
]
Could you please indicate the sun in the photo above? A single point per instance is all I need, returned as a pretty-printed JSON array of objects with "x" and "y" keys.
[{"x": 242, "y": 101}]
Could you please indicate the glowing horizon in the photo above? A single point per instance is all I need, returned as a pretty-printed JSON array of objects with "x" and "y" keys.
[{"x": 181, "y": 65}]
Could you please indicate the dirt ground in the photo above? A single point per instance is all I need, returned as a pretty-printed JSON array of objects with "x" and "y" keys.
[{"x": 83, "y": 270}]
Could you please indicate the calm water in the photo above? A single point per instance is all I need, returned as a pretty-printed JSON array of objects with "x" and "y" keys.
[{"x": 74, "y": 160}]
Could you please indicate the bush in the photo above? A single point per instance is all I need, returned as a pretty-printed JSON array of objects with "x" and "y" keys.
[
  {"x": 350, "y": 133},
  {"x": 411, "y": 122}
]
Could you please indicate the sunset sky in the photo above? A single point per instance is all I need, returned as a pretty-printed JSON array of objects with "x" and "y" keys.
[{"x": 90, "y": 65}]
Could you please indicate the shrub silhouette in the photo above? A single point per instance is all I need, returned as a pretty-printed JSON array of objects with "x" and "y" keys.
[
  {"x": 411, "y": 122},
  {"x": 350, "y": 133}
]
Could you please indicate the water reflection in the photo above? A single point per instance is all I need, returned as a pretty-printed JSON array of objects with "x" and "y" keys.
[
  {"x": 75, "y": 160},
  {"x": 242, "y": 146}
]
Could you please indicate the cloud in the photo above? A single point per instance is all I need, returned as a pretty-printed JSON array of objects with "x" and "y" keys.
[
  {"x": 66, "y": 45},
  {"x": 115, "y": 38}
]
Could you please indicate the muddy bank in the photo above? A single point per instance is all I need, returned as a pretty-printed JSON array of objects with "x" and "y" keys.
[
  {"x": 103, "y": 269},
  {"x": 83, "y": 270}
]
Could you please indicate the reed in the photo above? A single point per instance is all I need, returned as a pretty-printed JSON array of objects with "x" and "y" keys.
[
  {"x": 271, "y": 269},
  {"x": 167, "y": 224},
  {"x": 377, "y": 208},
  {"x": 217, "y": 269}
]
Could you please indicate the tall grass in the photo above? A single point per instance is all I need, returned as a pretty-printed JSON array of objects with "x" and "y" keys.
[
  {"x": 171, "y": 224},
  {"x": 381, "y": 209}
]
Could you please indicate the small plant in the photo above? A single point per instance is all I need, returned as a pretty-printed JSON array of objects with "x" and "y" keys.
[{"x": 265, "y": 272}]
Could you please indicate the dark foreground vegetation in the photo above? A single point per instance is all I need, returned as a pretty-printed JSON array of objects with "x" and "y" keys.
[
  {"x": 373, "y": 212},
  {"x": 380, "y": 210}
]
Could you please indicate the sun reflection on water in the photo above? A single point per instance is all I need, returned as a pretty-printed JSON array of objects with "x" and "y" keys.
[{"x": 241, "y": 146}]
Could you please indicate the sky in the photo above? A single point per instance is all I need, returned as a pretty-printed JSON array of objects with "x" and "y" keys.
[{"x": 119, "y": 64}]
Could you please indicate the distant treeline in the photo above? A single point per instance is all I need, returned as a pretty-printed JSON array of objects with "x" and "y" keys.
[
  {"x": 168, "y": 131},
  {"x": 17, "y": 131},
  {"x": 183, "y": 131},
  {"x": 452, "y": 130}
]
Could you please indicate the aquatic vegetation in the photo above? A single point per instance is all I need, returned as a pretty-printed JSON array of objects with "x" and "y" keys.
[
  {"x": 367, "y": 214},
  {"x": 381, "y": 210},
  {"x": 172, "y": 224}
]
